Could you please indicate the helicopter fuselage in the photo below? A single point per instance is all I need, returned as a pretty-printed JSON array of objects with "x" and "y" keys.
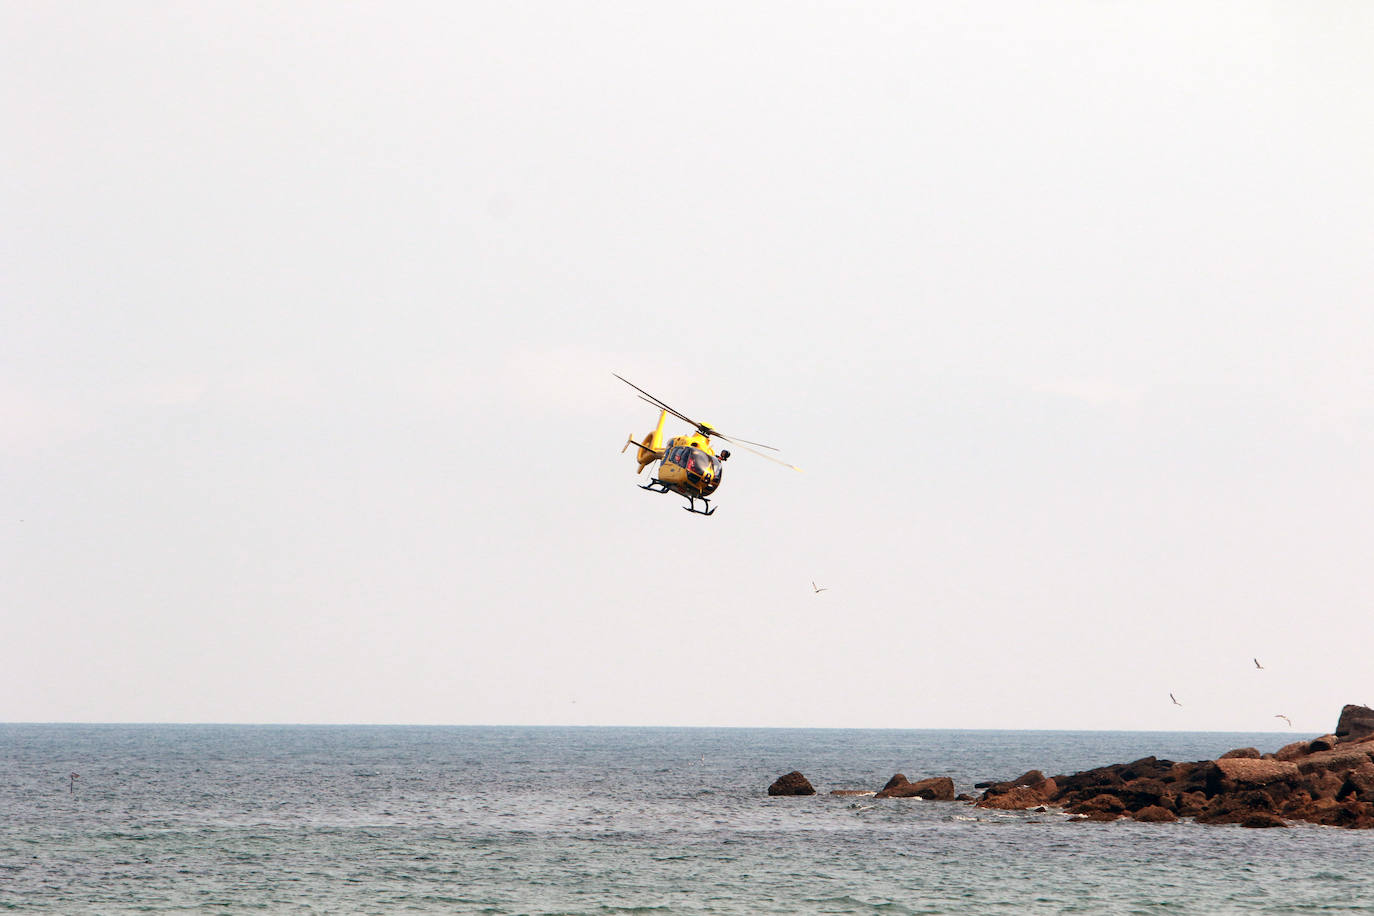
[
  {"x": 687, "y": 465},
  {"x": 690, "y": 467}
]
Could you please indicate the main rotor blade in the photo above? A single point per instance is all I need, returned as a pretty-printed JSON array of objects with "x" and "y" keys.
[
  {"x": 669, "y": 409},
  {"x": 745, "y": 441},
  {"x": 661, "y": 404},
  {"x": 705, "y": 430},
  {"x": 761, "y": 454}
]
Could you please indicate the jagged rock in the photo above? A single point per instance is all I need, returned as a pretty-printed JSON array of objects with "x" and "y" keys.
[
  {"x": 894, "y": 782},
  {"x": 1234, "y": 807},
  {"x": 1263, "y": 819},
  {"x": 1355, "y": 723},
  {"x": 1144, "y": 767},
  {"x": 1242, "y": 752},
  {"x": 793, "y": 783},
  {"x": 1029, "y": 778},
  {"x": 1142, "y": 793},
  {"x": 1359, "y": 783},
  {"x": 1154, "y": 814},
  {"x": 1190, "y": 804},
  {"x": 1324, "y": 784},
  {"x": 937, "y": 788}
]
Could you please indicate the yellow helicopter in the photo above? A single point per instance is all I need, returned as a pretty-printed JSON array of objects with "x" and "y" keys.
[{"x": 688, "y": 466}]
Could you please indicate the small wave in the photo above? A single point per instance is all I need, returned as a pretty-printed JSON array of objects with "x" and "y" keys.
[{"x": 884, "y": 906}]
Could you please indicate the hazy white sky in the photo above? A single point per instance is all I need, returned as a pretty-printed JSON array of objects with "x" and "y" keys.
[{"x": 308, "y": 315}]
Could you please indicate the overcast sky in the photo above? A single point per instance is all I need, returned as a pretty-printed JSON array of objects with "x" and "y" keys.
[{"x": 309, "y": 314}]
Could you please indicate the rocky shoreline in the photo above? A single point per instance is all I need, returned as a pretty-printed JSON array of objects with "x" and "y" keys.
[{"x": 1327, "y": 780}]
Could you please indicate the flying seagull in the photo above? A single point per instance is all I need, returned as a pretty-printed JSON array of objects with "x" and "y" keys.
[
  {"x": 1284, "y": 718},
  {"x": 1176, "y": 702},
  {"x": 1258, "y": 665},
  {"x": 819, "y": 588}
]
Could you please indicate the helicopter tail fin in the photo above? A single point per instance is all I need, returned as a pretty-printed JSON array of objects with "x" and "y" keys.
[{"x": 650, "y": 447}]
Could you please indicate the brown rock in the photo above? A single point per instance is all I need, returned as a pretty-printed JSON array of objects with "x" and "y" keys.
[
  {"x": 1017, "y": 798},
  {"x": 1249, "y": 753},
  {"x": 1342, "y": 760},
  {"x": 1250, "y": 772},
  {"x": 1142, "y": 793},
  {"x": 1190, "y": 804},
  {"x": 793, "y": 783},
  {"x": 1359, "y": 783},
  {"x": 894, "y": 782},
  {"x": 1324, "y": 743},
  {"x": 1188, "y": 777},
  {"x": 1291, "y": 751},
  {"x": 1355, "y": 723},
  {"x": 1324, "y": 784},
  {"x": 1154, "y": 814},
  {"x": 1102, "y": 802},
  {"x": 937, "y": 788},
  {"x": 1101, "y": 816},
  {"x": 1262, "y": 819}
]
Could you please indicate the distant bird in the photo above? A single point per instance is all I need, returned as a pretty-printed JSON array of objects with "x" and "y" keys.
[
  {"x": 1258, "y": 665},
  {"x": 818, "y": 588},
  {"x": 1280, "y": 715},
  {"x": 1176, "y": 702},
  {"x": 74, "y": 777}
]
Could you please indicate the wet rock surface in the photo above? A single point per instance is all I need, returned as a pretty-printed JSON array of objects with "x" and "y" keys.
[{"x": 793, "y": 783}]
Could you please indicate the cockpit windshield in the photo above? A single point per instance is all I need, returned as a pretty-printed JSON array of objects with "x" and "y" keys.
[{"x": 700, "y": 464}]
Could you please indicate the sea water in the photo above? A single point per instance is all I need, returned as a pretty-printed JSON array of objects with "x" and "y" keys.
[{"x": 345, "y": 819}]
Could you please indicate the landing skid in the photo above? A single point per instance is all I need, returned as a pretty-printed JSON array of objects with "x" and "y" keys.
[
  {"x": 693, "y": 508},
  {"x": 657, "y": 486}
]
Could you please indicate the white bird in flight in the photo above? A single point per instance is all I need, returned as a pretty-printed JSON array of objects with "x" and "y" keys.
[
  {"x": 1176, "y": 702},
  {"x": 818, "y": 588},
  {"x": 1279, "y": 715}
]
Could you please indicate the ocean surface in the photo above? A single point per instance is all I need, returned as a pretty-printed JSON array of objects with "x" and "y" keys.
[{"x": 386, "y": 819}]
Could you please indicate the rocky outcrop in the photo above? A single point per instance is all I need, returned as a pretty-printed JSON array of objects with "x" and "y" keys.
[
  {"x": 937, "y": 788},
  {"x": 1029, "y": 790},
  {"x": 1328, "y": 780},
  {"x": 793, "y": 783},
  {"x": 1355, "y": 724}
]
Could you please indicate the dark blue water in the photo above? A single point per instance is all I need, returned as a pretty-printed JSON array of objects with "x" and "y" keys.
[{"x": 323, "y": 819}]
